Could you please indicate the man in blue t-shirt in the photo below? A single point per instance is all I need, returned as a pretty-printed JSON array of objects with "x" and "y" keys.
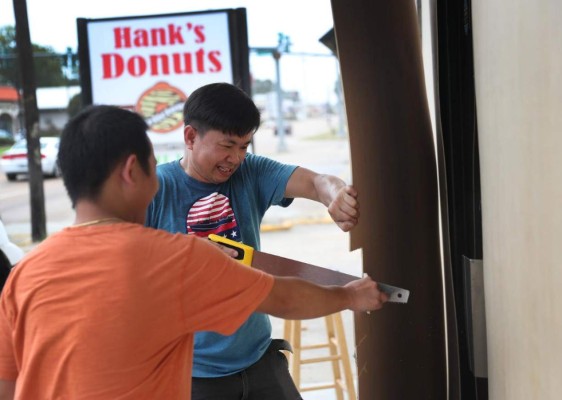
[{"x": 217, "y": 187}]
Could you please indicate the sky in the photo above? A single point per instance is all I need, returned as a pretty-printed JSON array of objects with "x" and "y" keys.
[{"x": 53, "y": 23}]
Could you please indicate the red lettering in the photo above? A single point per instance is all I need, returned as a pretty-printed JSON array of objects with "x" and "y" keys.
[
  {"x": 136, "y": 66},
  {"x": 174, "y": 34},
  {"x": 162, "y": 60},
  {"x": 182, "y": 68},
  {"x": 199, "y": 32},
  {"x": 141, "y": 38},
  {"x": 158, "y": 36},
  {"x": 122, "y": 37},
  {"x": 113, "y": 65},
  {"x": 214, "y": 59},
  {"x": 200, "y": 60}
]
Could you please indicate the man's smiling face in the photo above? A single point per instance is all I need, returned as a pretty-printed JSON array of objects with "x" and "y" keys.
[{"x": 214, "y": 156}]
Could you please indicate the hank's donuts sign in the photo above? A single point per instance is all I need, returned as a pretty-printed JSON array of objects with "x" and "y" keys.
[
  {"x": 151, "y": 64},
  {"x": 188, "y": 53}
]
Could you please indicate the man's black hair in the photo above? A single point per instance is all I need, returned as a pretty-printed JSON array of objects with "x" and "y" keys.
[
  {"x": 94, "y": 142},
  {"x": 223, "y": 107}
]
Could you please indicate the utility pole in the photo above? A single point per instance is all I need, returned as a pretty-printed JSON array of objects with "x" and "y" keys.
[
  {"x": 283, "y": 46},
  {"x": 25, "y": 55},
  {"x": 280, "y": 123}
]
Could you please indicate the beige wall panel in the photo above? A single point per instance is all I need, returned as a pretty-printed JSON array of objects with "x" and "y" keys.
[{"x": 518, "y": 73}]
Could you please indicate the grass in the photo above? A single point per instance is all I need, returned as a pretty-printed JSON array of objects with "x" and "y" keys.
[{"x": 3, "y": 149}]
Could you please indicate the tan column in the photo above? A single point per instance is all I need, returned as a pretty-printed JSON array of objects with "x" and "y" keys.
[{"x": 518, "y": 74}]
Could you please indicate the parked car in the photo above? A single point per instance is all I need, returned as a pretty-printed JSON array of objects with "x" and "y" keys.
[{"x": 14, "y": 160}]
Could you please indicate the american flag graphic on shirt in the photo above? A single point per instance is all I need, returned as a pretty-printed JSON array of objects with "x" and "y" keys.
[{"x": 212, "y": 214}]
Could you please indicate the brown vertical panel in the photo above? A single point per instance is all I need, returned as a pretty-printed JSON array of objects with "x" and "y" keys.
[{"x": 401, "y": 349}]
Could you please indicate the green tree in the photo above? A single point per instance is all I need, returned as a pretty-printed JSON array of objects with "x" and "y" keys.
[
  {"x": 74, "y": 105},
  {"x": 48, "y": 63}
]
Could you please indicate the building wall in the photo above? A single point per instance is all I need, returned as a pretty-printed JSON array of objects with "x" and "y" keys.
[
  {"x": 52, "y": 104},
  {"x": 9, "y": 112},
  {"x": 52, "y": 119}
]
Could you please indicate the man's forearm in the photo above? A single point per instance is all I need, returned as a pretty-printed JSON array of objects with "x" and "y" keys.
[
  {"x": 307, "y": 184},
  {"x": 293, "y": 298},
  {"x": 327, "y": 188}
]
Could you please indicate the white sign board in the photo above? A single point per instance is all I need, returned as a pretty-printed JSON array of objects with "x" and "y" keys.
[{"x": 151, "y": 64}]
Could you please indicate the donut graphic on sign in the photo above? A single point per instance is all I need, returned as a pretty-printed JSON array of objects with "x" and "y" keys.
[{"x": 161, "y": 106}]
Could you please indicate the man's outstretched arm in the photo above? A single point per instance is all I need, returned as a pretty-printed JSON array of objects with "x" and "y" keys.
[{"x": 293, "y": 298}]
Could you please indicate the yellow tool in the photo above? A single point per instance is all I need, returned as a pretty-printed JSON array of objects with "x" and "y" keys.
[{"x": 245, "y": 252}]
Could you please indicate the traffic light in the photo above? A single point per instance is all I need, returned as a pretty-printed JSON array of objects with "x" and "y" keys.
[{"x": 283, "y": 43}]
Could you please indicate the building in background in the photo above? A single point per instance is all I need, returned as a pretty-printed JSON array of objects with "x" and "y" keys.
[
  {"x": 52, "y": 104},
  {"x": 9, "y": 109}
]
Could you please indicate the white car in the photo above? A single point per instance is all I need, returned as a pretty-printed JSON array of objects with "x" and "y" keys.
[{"x": 14, "y": 160}]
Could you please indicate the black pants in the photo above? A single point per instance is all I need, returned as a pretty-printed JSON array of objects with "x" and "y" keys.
[{"x": 267, "y": 379}]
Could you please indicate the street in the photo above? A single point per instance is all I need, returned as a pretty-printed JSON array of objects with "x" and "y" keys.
[{"x": 15, "y": 208}]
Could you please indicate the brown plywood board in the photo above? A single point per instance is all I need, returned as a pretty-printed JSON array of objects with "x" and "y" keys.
[{"x": 401, "y": 349}]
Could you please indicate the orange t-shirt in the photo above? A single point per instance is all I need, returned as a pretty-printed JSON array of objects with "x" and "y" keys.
[{"x": 109, "y": 312}]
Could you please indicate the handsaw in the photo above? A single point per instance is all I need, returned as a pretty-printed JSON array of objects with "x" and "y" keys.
[{"x": 281, "y": 266}]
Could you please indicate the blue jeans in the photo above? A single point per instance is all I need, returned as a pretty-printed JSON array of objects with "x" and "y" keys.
[{"x": 267, "y": 379}]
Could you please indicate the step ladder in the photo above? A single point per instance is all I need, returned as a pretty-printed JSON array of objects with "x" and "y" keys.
[{"x": 338, "y": 356}]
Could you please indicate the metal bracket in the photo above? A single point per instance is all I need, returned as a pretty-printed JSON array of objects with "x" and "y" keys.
[{"x": 476, "y": 316}]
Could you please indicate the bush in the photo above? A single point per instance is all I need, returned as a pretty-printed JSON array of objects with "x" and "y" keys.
[{"x": 6, "y": 139}]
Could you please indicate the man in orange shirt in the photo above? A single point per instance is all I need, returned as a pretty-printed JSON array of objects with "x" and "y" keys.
[{"x": 107, "y": 308}]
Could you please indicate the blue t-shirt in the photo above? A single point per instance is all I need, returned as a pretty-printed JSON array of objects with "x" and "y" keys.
[{"x": 233, "y": 209}]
